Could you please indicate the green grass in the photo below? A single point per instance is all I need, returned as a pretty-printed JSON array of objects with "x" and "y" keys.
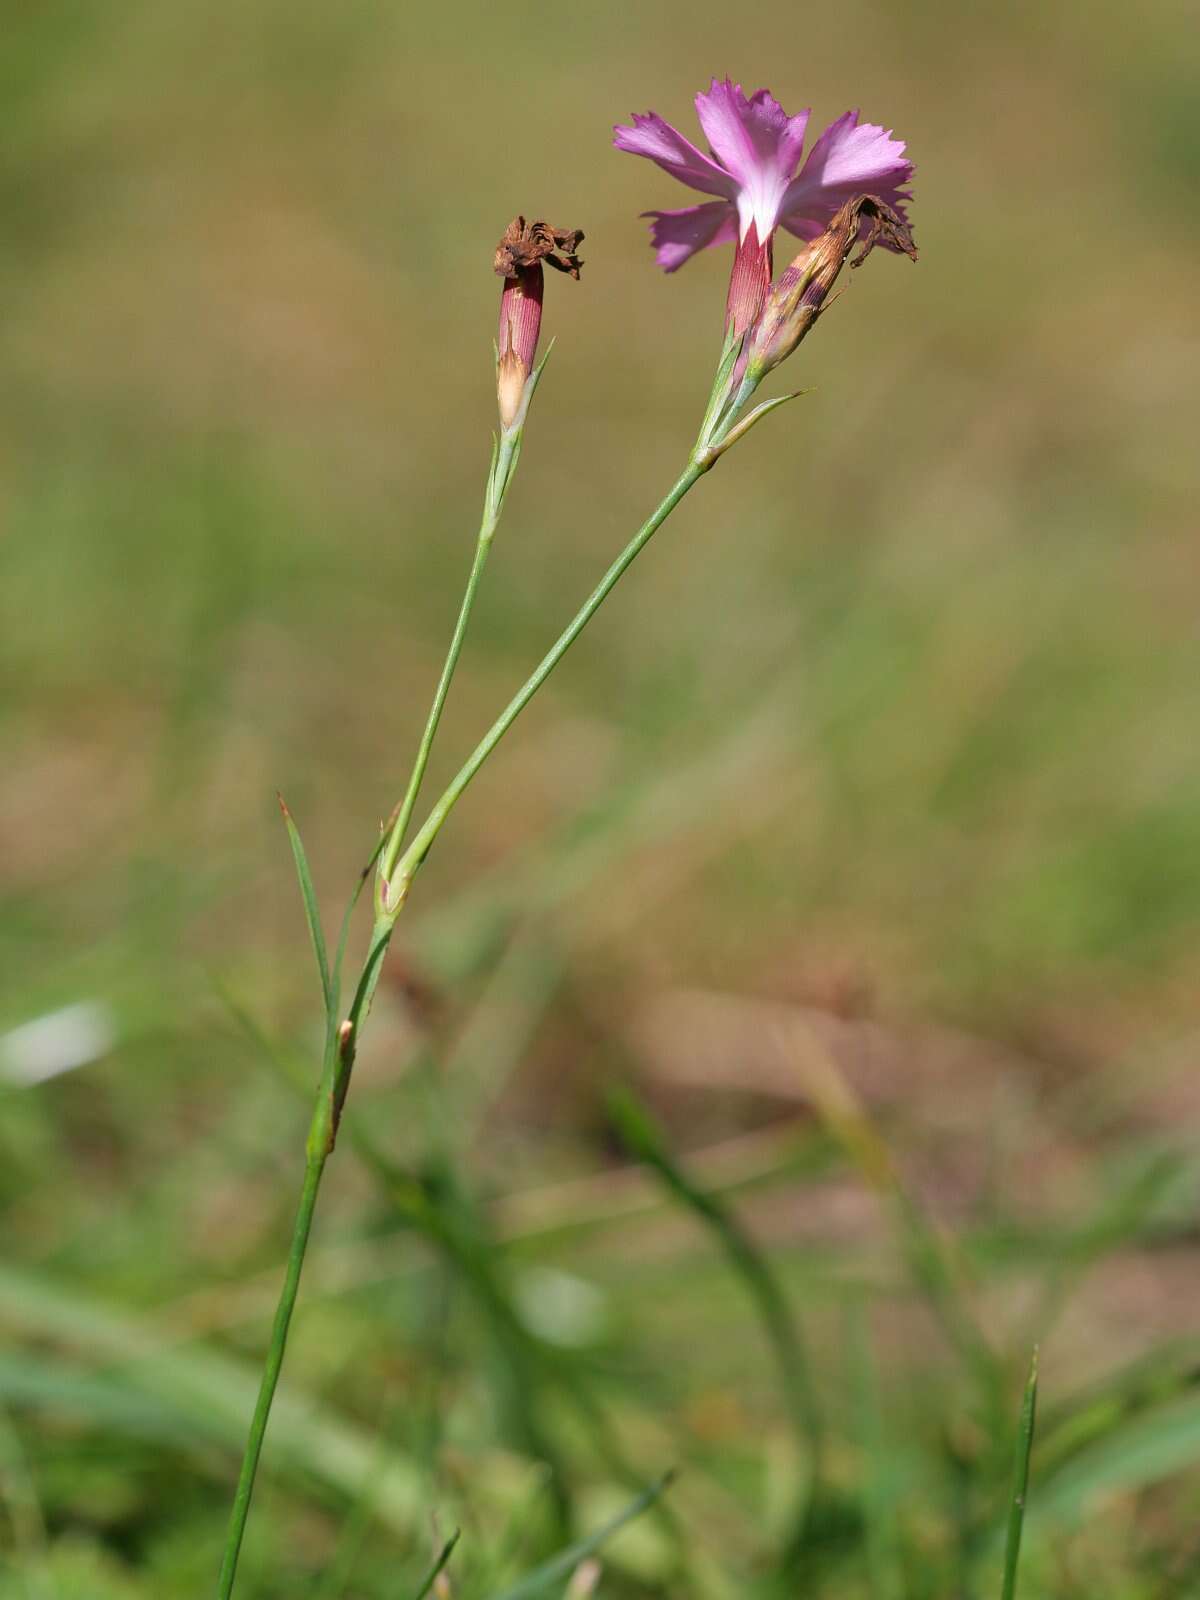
[{"x": 888, "y": 742}]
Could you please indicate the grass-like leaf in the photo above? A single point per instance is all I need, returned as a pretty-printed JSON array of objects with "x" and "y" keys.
[
  {"x": 1142, "y": 1450},
  {"x": 644, "y": 1140},
  {"x": 935, "y": 1267},
  {"x": 564, "y": 1563},
  {"x": 1016, "y": 1510},
  {"x": 1121, "y": 1401},
  {"x": 126, "y": 1375},
  {"x": 880, "y": 1470},
  {"x": 311, "y": 909},
  {"x": 440, "y": 1561}
]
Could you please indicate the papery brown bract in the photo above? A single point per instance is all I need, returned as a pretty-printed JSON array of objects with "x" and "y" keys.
[{"x": 794, "y": 303}]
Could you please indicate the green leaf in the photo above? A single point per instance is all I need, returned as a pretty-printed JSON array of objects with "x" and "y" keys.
[
  {"x": 1157, "y": 1444},
  {"x": 1116, "y": 1402},
  {"x": 311, "y": 910},
  {"x": 766, "y": 1293},
  {"x": 881, "y": 1471},
  {"x": 125, "y": 1374},
  {"x": 443, "y": 1556},
  {"x": 747, "y": 422},
  {"x": 1016, "y": 1513},
  {"x": 564, "y": 1563}
]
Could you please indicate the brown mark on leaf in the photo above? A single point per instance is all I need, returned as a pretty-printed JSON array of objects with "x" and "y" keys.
[{"x": 525, "y": 244}]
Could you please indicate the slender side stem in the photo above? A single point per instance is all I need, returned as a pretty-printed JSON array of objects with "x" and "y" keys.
[
  {"x": 342, "y": 1041},
  {"x": 507, "y": 452},
  {"x": 340, "y": 1048},
  {"x": 410, "y": 862},
  {"x": 266, "y": 1393}
]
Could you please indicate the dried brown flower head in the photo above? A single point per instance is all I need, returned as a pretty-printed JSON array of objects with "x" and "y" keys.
[
  {"x": 796, "y": 301},
  {"x": 519, "y": 258},
  {"x": 885, "y": 226},
  {"x": 529, "y": 244}
]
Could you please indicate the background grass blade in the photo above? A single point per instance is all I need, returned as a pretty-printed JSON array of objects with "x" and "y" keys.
[
  {"x": 1016, "y": 1512},
  {"x": 881, "y": 1471},
  {"x": 439, "y": 1563},
  {"x": 126, "y": 1374},
  {"x": 645, "y": 1140},
  {"x": 932, "y": 1261},
  {"x": 1143, "y": 1450},
  {"x": 564, "y": 1563}
]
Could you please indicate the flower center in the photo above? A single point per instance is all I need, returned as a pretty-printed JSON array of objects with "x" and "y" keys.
[{"x": 758, "y": 202}]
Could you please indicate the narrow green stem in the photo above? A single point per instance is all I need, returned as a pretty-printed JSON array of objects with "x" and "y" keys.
[
  {"x": 341, "y": 1042},
  {"x": 505, "y": 460},
  {"x": 410, "y": 862},
  {"x": 266, "y": 1392},
  {"x": 395, "y": 877}
]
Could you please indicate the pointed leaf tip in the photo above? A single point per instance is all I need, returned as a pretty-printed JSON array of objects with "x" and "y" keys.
[
  {"x": 1020, "y": 1481},
  {"x": 311, "y": 910},
  {"x": 440, "y": 1561},
  {"x": 561, "y": 1566},
  {"x": 741, "y": 429}
]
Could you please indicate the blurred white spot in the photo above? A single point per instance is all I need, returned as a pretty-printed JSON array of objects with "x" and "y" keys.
[
  {"x": 559, "y": 1307},
  {"x": 56, "y": 1043}
]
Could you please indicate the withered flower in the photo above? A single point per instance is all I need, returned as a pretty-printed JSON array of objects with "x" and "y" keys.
[
  {"x": 796, "y": 301},
  {"x": 519, "y": 257}
]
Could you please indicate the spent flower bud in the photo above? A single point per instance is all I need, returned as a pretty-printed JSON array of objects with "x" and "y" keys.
[
  {"x": 800, "y": 296},
  {"x": 518, "y": 260}
]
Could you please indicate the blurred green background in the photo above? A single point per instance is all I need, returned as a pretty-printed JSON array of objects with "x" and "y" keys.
[{"x": 869, "y": 810}]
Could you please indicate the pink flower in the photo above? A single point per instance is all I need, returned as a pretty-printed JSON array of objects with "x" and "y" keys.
[{"x": 752, "y": 169}]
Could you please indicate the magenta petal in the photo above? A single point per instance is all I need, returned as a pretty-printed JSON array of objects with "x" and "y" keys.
[
  {"x": 650, "y": 136},
  {"x": 759, "y": 144},
  {"x": 788, "y": 132},
  {"x": 753, "y": 138},
  {"x": 850, "y": 158},
  {"x": 677, "y": 235}
]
